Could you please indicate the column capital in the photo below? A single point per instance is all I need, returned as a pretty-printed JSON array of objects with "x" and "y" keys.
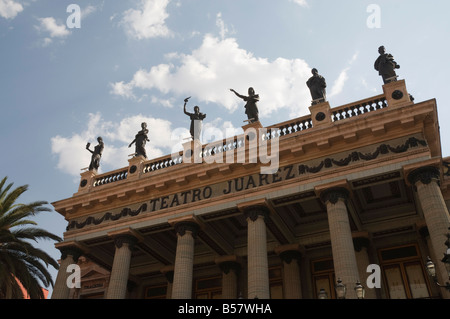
[
  {"x": 168, "y": 272},
  {"x": 183, "y": 226},
  {"x": 227, "y": 266},
  {"x": 425, "y": 175},
  {"x": 289, "y": 255},
  {"x": 119, "y": 240},
  {"x": 253, "y": 212},
  {"x": 360, "y": 240},
  {"x": 74, "y": 249},
  {"x": 333, "y": 194}
]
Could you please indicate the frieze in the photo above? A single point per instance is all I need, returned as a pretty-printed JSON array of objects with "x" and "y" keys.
[{"x": 250, "y": 182}]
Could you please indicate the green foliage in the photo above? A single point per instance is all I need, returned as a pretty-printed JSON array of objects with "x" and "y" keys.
[{"x": 20, "y": 261}]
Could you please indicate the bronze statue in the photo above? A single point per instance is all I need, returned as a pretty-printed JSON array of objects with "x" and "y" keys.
[
  {"x": 385, "y": 65},
  {"x": 196, "y": 120},
  {"x": 251, "y": 108},
  {"x": 141, "y": 139},
  {"x": 317, "y": 86},
  {"x": 96, "y": 154}
]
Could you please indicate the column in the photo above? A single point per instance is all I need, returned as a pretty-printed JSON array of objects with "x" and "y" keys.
[
  {"x": 168, "y": 273},
  {"x": 69, "y": 255},
  {"x": 290, "y": 255},
  {"x": 184, "y": 260},
  {"x": 121, "y": 267},
  {"x": 345, "y": 266},
  {"x": 258, "y": 269},
  {"x": 361, "y": 243},
  {"x": 230, "y": 270},
  {"x": 426, "y": 182}
]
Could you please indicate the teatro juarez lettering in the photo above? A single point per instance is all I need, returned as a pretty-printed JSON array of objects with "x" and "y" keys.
[{"x": 232, "y": 186}]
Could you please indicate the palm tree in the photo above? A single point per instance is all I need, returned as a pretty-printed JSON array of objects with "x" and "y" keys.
[{"x": 20, "y": 261}]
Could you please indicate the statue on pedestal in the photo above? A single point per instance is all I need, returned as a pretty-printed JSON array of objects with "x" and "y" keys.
[
  {"x": 251, "y": 107},
  {"x": 96, "y": 154},
  {"x": 196, "y": 120},
  {"x": 385, "y": 65},
  {"x": 140, "y": 140},
  {"x": 317, "y": 86}
]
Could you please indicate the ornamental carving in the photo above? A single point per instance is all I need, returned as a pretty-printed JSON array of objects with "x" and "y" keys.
[
  {"x": 333, "y": 195},
  {"x": 71, "y": 251},
  {"x": 125, "y": 239},
  {"x": 254, "y": 212},
  {"x": 425, "y": 175},
  {"x": 226, "y": 266},
  {"x": 289, "y": 255},
  {"x": 182, "y": 227}
]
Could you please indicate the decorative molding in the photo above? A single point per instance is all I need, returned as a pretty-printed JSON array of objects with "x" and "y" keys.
[
  {"x": 291, "y": 172},
  {"x": 357, "y": 156},
  {"x": 108, "y": 216}
]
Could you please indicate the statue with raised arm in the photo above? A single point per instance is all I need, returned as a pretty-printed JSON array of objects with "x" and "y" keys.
[
  {"x": 317, "y": 86},
  {"x": 96, "y": 154},
  {"x": 385, "y": 65},
  {"x": 140, "y": 140},
  {"x": 251, "y": 107},
  {"x": 196, "y": 120}
]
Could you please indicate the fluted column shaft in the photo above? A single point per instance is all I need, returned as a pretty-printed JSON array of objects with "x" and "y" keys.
[
  {"x": 184, "y": 260},
  {"x": 230, "y": 272},
  {"x": 426, "y": 182},
  {"x": 68, "y": 256},
  {"x": 344, "y": 258},
  {"x": 258, "y": 269},
  {"x": 120, "y": 272},
  {"x": 291, "y": 275}
]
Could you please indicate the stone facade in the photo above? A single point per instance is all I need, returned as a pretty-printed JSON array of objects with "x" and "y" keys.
[{"x": 357, "y": 185}]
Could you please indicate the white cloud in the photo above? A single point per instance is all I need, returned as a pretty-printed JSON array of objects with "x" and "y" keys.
[
  {"x": 148, "y": 21},
  {"x": 72, "y": 154},
  {"x": 218, "y": 65},
  {"x": 55, "y": 30},
  {"x": 85, "y": 12},
  {"x": 302, "y": 3},
  {"x": 338, "y": 85},
  {"x": 9, "y": 9}
]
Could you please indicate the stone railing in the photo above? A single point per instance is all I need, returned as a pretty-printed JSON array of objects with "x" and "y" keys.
[
  {"x": 289, "y": 127},
  {"x": 279, "y": 130},
  {"x": 110, "y": 177},
  {"x": 358, "y": 108},
  {"x": 161, "y": 163}
]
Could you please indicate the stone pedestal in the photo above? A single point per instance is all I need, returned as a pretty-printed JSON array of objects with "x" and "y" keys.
[
  {"x": 396, "y": 94},
  {"x": 320, "y": 114},
  {"x": 192, "y": 151}
]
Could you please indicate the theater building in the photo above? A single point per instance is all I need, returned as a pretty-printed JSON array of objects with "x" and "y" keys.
[{"x": 360, "y": 193}]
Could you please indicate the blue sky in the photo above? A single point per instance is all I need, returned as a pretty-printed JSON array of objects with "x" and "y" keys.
[{"x": 136, "y": 60}]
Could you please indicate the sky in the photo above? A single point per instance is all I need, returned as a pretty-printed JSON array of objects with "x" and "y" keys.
[{"x": 71, "y": 71}]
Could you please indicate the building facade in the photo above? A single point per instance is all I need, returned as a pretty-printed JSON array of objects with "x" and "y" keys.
[{"x": 358, "y": 193}]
